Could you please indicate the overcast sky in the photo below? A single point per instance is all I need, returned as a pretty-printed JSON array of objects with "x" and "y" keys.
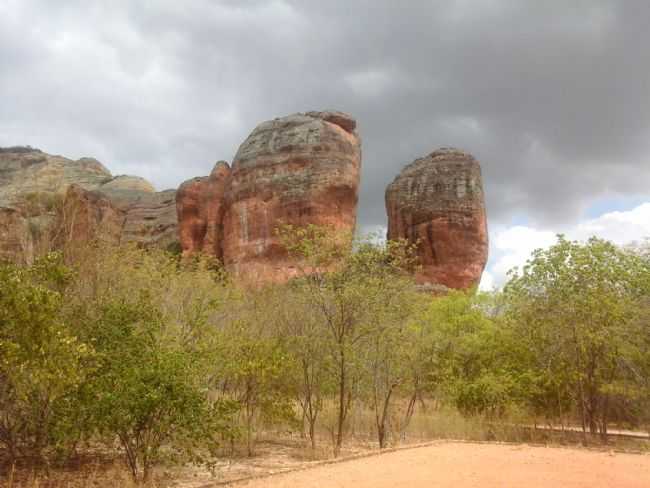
[{"x": 553, "y": 97}]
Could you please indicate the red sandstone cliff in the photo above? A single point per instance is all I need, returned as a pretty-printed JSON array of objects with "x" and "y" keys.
[{"x": 199, "y": 206}]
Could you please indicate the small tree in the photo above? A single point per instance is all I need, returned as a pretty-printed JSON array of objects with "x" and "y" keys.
[
  {"x": 309, "y": 364},
  {"x": 150, "y": 392},
  {"x": 151, "y": 323},
  {"x": 254, "y": 372},
  {"x": 394, "y": 304}
]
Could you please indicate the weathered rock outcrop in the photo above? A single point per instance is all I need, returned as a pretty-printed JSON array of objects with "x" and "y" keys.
[
  {"x": 151, "y": 220},
  {"x": 438, "y": 202},
  {"x": 300, "y": 169},
  {"x": 126, "y": 186},
  {"x": 39, "y": 186},
  {"x": 199, "y": 206},
  {"x": 16, "y": 241},
  {"x": 26, "y": 172},
  {"x": 87, "y": 216},
  {"x": 147, "y": 219}
]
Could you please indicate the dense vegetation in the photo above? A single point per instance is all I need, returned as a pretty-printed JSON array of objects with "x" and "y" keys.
[{"x": 165, "y": 359}]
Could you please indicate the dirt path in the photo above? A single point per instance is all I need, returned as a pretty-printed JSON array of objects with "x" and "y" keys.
[{"x": 463, "y": 465}]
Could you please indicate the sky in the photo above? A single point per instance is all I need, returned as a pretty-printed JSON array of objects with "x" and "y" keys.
[{"x": 552, "y": 97}]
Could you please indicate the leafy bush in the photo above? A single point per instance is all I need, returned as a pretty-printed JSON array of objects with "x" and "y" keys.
[{"x": 42, "y": 362}]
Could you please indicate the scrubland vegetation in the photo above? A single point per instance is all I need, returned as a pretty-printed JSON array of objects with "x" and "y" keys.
[{"x": 162, "y": 360}]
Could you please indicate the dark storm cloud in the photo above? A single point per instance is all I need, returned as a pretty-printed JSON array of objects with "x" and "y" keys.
[{"x": 552, "y": 97}]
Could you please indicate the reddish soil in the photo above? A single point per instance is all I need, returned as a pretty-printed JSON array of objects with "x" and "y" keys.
[{"x": 465, "y": 465}]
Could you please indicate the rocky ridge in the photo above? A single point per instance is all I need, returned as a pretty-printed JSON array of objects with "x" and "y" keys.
[{"x": 40, "y": 193}]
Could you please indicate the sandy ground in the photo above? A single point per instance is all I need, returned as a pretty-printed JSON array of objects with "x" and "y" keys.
[{"x": 464, "y": 465}]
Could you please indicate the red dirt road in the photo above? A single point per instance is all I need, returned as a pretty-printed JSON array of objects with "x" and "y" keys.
[{"x": 465, "y": 465}]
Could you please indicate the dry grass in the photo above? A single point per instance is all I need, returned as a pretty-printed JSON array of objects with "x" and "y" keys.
[
  {"x": 86, "y": 477},
  {"x": 281, "y": 448}
]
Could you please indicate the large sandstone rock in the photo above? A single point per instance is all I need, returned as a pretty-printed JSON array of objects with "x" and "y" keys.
[
  {"x": 300, "y": 169},
  {"x": 437, "y": 201},
  {"x": 199, "y": 207}
]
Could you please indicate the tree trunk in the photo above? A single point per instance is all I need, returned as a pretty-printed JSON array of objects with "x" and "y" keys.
[
  {"x": 381, "y": 425},
  {"x": 342, "y": 406},
  {"x": 410, "y": 410},
  {"x": 303, "y": 434},
  {"x": 604, "y": 420},
  {"x": 312, "y": 434}
]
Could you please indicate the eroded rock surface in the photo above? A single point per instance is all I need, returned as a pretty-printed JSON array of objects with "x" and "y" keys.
[
  {"x": 151, "y": 220},
  {"x": 26, "y": 173},
  {"x": 16, "y": 240},
  {"x": 199, "y": 207},
  {"x": 300, "y": 169},
  {"x": 38, "y": 186},
  {"x": 438, "y": 202},
  {"x": 88, "y": 216}
]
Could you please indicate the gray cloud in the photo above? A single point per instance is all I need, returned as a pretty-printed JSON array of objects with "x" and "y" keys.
[{"x": 553, "y": 97}]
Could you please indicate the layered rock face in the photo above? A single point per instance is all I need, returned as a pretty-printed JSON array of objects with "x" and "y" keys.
[
  {"x": 200, "y": 209},
  {"x": 438, "y": 202},
  {"x": 151, "y": 220},
  {"x": 38, "y": 185},
  {"x": 300, "y": 169}
]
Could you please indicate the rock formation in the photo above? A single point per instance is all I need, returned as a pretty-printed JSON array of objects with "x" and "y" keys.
[
  {"x": 38, "y": 186},
  {"x": 300, "y": 169},
  {"x": 199, "y": 206},
  {"x": 151, "y": 220},
  {"x": 25, "y": 172},
  {"x": 437, "y": 201},
  {"x": 86, "y": 216},
  {"x": 16, "y": 242}
]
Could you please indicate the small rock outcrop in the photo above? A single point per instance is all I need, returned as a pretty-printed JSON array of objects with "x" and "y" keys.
[
  {"x": 199, "y": 207},
  {"x": 438, "y": 202},
  {"x": 300, "y": 169}
]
